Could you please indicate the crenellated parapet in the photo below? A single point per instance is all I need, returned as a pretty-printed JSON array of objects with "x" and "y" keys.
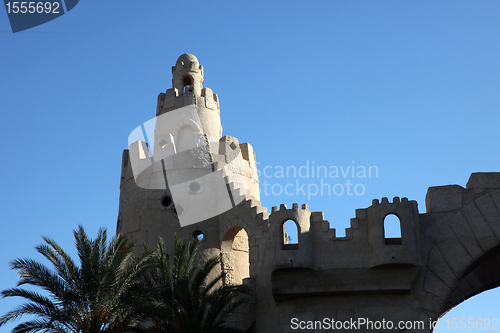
[
  {"x": 390, "y": 251},
  {"x": 364, "y": 261},
  {"x": 173, "y": 99},
  {"x": 207, "y": 104},
  {"x": 364, "y": 245}
]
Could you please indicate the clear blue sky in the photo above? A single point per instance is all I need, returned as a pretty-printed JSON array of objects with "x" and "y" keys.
[{"x": 411, "y": 87}]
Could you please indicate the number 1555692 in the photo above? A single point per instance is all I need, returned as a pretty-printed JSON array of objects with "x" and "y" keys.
[{"x": 32, "y": 7}]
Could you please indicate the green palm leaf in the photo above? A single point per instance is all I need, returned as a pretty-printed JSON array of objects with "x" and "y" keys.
[
  {"x": 184, "y": 299},
  {"x": 104, "y": 293}
]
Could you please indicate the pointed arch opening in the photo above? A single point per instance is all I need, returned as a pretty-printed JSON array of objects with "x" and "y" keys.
[
  {"x": 290, "y": 235},
  {"x": 392, "y": 230},
  {"x": 187, "y": 81},
  {"x": 235, "y": 256}
]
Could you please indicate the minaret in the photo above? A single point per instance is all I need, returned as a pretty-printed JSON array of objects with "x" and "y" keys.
[
  {"x": 192, "y": 173},
  {"x": 187, "y": 89},
  {"x": 180, "y": 176}
]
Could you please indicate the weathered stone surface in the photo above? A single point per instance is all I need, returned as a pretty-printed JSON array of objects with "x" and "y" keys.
[
  {"x": 488, "y": 209},
  {"x": 443, "y": 198},
  {"x": 484, "y": 180},
  {"x": 432, "y": 304},
  {"x": 436, "y": 286},
  {"x": 496, "y": 199},
  {"x": 474, "y": 281},
  {"x": 483, "y": 234},
  {"x": 454, "y": 252},
  {"x": 437, "y": 264},
  {"x": 254, "y": 254},
  {"x": 455, "y": 297},
  {"x": 461, "y": 229},
  {"x": 240, "y": 242},
  {"x": 290, "y": 284},
  {"x": 465, "y": 287}
]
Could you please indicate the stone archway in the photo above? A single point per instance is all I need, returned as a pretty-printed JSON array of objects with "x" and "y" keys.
[
  {"x": 235, "y": 256},
  {"x": 482, "y": 275},
  {"x": 465, "y": 258}
]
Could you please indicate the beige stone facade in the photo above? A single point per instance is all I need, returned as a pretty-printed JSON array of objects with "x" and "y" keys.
[{"x": 443, "y": 257}]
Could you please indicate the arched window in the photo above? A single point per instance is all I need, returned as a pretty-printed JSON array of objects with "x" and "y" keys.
[
  {"x": 392, "y": 230},
  {"x": 290, "y": 235},
  {"x": 187, "y": 81}
]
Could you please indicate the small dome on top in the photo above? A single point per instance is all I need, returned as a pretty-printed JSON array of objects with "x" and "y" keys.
[
  {"x": 186, "y": 59},
  {"x": 187, "y": 72}
]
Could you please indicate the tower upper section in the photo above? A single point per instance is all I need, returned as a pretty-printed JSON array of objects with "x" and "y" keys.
[
  {"x": 187, "y": 72},
  {"x": 187, "y": 89},
  {"x": 182, "y": 157}
]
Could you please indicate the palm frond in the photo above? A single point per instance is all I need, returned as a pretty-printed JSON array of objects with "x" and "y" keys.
[
  {"x": 103, "y": 294},
  {"x": 186, "y": 298}
]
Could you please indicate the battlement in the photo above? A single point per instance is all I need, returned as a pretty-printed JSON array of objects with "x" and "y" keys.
[
  {"x": 364, "y": 244},
  {"x": 299, "y": 255},
  {"x": 357, "y": 262},
  {"x": 173, "y": 99}
]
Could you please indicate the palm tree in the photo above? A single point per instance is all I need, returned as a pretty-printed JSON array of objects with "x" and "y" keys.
[
  {"x": 102, "y": 294},
  {"x": 187, "y": 300}
]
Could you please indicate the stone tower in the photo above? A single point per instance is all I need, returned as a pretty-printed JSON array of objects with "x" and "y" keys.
[
  {"x": 195, "y": 183},
  {"x": 192, "y": 175}
]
